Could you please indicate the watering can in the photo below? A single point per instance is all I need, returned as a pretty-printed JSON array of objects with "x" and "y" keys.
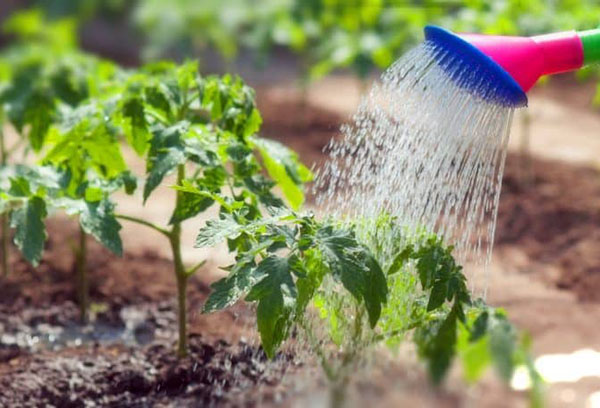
[{"x": 512, "y": 65}]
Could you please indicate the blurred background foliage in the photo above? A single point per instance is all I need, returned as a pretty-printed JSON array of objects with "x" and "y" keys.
[{"x": 325, "y": 35}]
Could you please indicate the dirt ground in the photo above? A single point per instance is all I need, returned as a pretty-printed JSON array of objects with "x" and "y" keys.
[{"x": 545, "y": 272}]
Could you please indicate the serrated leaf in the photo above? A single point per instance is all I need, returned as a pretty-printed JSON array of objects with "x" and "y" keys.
[
  {"x": 480, "y": 326},
  {"x": 400, "y": 260},
  {"x": 276, "y": 295},
  {"x": 337, "y": 248},
  {"x": 30, "y": 232},
  {"x": 358, "y": 271},
  {"x": 189, "y": 205},
  {"x": 38, "y": 115},
  {"x": 427, "y": 265},
  {"x": 376, "y": 290},
  {"x": 136, "y": 129},
  {"x": 475, "y": 359},
  {"x": 162, "y": 164},
  {"x": 437, "y": 296},
  {"x": 98, "y": 220},
  {"x": 167, "y": 151},
  {"x": 307, "y": 286},
  {"x": 216, "y": 231},
  {"x": 438, "y": 346},
  {"x": 227, "y": 291},
  {"x": 19, "y": 187}
]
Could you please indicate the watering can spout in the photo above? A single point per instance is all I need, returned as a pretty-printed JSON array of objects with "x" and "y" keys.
[{"x": 523, "y": 59}]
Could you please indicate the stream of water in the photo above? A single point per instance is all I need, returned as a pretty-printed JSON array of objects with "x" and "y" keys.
[{"x": 426, "y": 150}]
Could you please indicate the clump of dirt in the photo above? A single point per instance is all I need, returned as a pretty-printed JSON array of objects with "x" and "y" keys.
[
  {"x": 555, "y": 220},
  {"x": 212, "y": 374}
]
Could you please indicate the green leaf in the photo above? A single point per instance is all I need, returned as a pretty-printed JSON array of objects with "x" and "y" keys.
[
  {"x": 376, "y": 290},
  {"x": 429, "y": 258},
  {"x": 97, "y": 219},
  {"x": 358, "y": 270},
  {"x": 480, "y": 326},
  {"x": 338, "y": 247},
  {"x": 166, "y": 153},
  {"x": 136, "y": 129},
  {"x": 189, "y": 205},
  {"x": 30, "y": 229},
  {"x": 252, "y": 124},
  {"x": 437, "y": 296},
  {"x": 216, "y": 231},
  {"x": 38, "y": 115},
  {"x": 502, "y": 348},
  {"x": 227, "y": 291},
  {"x": 162, "y": 165},
  {"x": 475, "y": 358},
  {"x": 400, "y": 260},
  {"x": 436, "y": 341},
  {"x": 276, "y": 295},
  {"x": 285, "y": 169},
  {"x": 307, "y": 286}
]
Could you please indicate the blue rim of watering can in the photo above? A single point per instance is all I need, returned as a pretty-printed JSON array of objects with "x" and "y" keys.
[{"x": 501, "y": 88}]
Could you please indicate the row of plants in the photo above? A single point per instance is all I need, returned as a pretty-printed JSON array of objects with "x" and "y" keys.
[
  {"x": 361, "y": 35},
  {"x": 345, "y": 287}
]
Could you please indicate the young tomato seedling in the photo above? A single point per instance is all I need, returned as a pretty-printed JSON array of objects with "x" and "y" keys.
[
  {"x": 204, "y": 131},
  {"x": 369, "y": 283},
  {"x": 41, "y": 76}
]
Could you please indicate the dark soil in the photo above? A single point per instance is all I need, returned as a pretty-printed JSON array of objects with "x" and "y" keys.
[
  {"x": 555, "y": 220},
  {"x": 125, "y": 355},
  {"x": 115, "y": 376}
]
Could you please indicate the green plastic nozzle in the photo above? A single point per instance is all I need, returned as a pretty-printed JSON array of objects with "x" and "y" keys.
[{"x": 591, "y": 46}]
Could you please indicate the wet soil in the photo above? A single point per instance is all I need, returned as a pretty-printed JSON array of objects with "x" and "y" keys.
[
  {"x": 125, "y": 354},
  {"x": 554, "y": 218},
  {"x": 213, "y": 374}
]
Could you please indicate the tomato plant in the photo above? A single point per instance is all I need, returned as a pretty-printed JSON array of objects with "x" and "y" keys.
[
  {"x": 347, "y": 287},
  {"x": 56, "y": 99},
  {"x": 204, "y": 131}
]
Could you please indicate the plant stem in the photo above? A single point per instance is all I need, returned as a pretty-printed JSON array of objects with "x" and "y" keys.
[
  {"x": 194, "y": 268},
  {"x": 82, "y": 277},
  {"x": 180, "y": 273},
  {"x": 4, "y": 218},
  {"x": 144, "y": 222},
  {"x": 4, "y": 245}
]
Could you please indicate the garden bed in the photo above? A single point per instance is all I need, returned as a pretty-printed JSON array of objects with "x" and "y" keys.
[{"x": 125, "y": 355}]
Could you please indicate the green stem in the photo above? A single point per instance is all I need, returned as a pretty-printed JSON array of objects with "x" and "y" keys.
[
  {"x": 144, "y": 222},
  {"x": 82, "y": 277},
  {"x": 4, "y": 244},
  {"x": 195, "y": 268},
  {"x": 4, "y": 238},
  {"x": 180, "y": 273}
]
